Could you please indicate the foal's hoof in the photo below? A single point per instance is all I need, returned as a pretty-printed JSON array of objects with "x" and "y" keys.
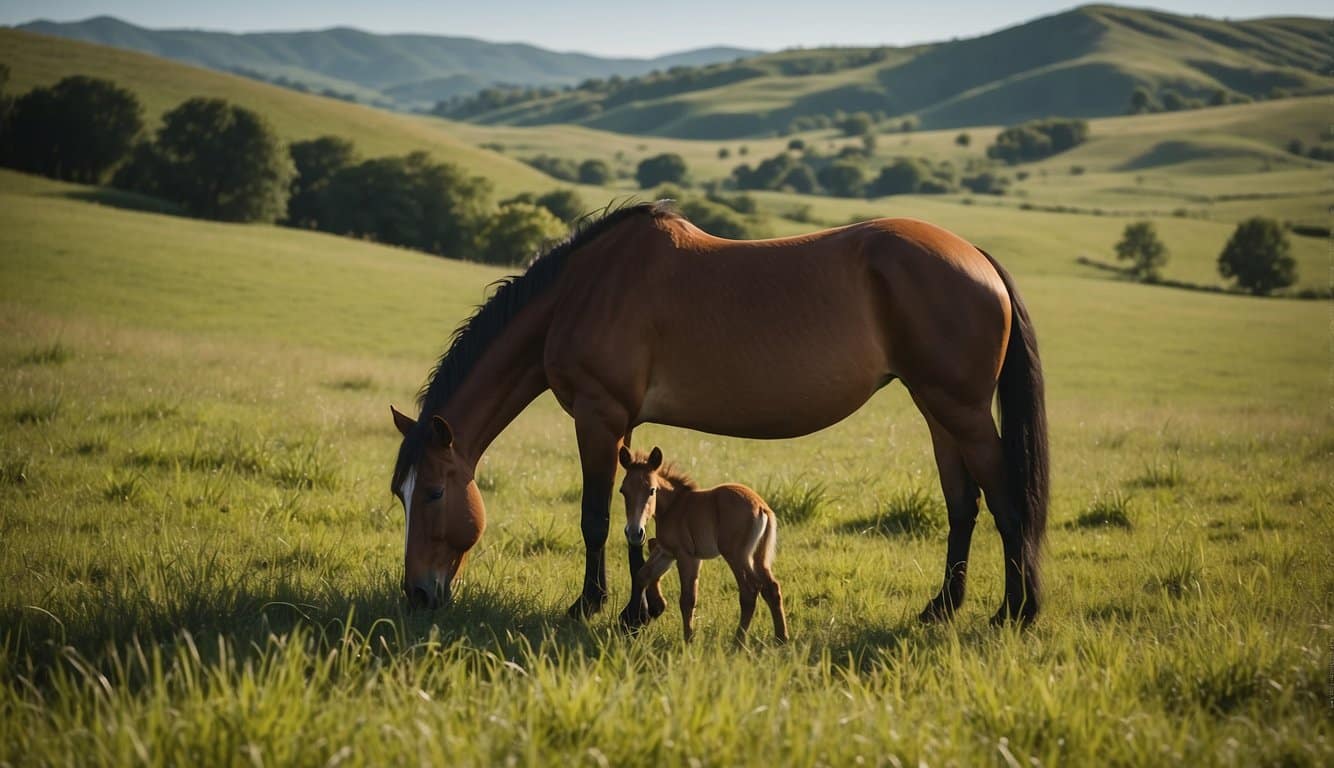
[
  {"x": 656, "y": 605},
  {"x": 584, "y": 607}
]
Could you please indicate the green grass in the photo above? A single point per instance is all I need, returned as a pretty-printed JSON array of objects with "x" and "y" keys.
[{"x": 201, "y": 554}]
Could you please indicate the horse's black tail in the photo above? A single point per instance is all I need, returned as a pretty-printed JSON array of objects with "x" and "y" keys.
[{"x": 1023, "y": 413}]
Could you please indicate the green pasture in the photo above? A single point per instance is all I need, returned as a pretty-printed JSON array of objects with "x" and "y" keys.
[{"x": 201, "y": 554}]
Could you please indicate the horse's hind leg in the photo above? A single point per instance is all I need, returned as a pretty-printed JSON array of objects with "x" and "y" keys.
[
  {"x": 974, "y": 433},
  {"x": 688, "y": 569},
  {"x": 961, "y": 494}
]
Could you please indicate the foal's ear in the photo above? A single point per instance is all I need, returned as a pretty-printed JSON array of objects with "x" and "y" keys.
[
  {"x": 444, "y": 436},
  {"x": 625, "y": 457},
  {"x": 655, "y": 458},
  {"x": 403, "y": 423}
]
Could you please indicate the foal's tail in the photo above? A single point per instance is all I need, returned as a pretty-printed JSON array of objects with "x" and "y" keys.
[
  {"x": 768, "y": 544},
  {"x": 1023, "y": 410}
]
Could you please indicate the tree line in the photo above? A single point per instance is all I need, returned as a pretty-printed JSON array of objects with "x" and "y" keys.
[{"x": 217, "y": 160}]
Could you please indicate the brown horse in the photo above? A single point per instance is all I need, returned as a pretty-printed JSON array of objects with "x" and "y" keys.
[
  {"x": 642, "y": 317},
  {"x": 697, "y": 524}
]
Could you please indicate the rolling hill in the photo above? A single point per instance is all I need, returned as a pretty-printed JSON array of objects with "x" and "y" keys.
[
  {"x": 1081, "y": 63},
  {"x": 161, "y": 84},
  {"x": 395, "y": 70}
]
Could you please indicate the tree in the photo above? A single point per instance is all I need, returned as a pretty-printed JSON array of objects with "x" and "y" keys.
[
  {"x": 667, "y": 168},
  {"x": 1259, "y": 257},
  {"x": 565, "y": 204},
  {"x": 901, "y": 177},
  {"x": 1173, "y": 101},
  {"x": 517, "y": 232},
  {"x": 411, "y": 201},
  {"x": 842, "y": 179},
  {"x": 316, "y": 162},
  {"x": 796, "y": 145},
  {"x": 799, "y": 179},
  {"x": 1140, "y": 246},
  {"x": 76, "y": 130},
  {"x": 221, "y": 161},
  {"x": 594, "y": 172},
  {"x": 715, "y": 219},
  {"x": 1141, "y": 101},
  {"x": 856, "y": 124},
  {"x": 724, "y": 153},
  {"x": 963, "y": 140}
]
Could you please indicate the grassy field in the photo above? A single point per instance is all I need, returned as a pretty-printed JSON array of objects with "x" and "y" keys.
[{"x": 201, "y": 554}]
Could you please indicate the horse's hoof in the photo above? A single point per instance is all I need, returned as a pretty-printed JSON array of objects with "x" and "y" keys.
[
  {"x": 584, "y": 607},
  {"x": 937, "y": 611},
  {"x": 1024, "y": 617}
]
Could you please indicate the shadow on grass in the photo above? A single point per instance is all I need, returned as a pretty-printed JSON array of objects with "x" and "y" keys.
[
  {"x": 246, "y": 620},
  {"x": 118, "y": 198}
]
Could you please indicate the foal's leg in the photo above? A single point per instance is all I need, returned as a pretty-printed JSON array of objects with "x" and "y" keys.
[
  {"x": 687, "y": 568},
  {"x": 773, "y": 597},
  {"x": 961, "y": 503},
  {"x": 647, "y": 577},
  {"x": 748, "y": 585}
]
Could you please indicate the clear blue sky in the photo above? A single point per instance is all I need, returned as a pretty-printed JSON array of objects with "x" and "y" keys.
[{"x": 627, "y": 27}]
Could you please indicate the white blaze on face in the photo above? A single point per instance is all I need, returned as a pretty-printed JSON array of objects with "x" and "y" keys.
[{"x": 405, "y": 491}]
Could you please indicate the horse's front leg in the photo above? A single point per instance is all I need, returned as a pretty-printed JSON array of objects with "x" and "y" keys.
[{"x": 598, "y": 426}]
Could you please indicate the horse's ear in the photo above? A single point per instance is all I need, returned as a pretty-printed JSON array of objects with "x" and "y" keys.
[
  {"x": 443, "y": 434},
  {"x": 625, "y": 457},
  {"x": 403, "y": 423},
  {"x": 655, "y": 458}
]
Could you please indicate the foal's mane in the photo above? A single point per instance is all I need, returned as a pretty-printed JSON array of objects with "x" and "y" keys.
[
  {"x": 668, "y": 471},
  {"x": 474, "y": 335}
]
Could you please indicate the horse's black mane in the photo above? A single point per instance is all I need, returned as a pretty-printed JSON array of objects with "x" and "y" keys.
[
  {"x": 474, "y": 335},
  {"x": 668, "y": 471}
]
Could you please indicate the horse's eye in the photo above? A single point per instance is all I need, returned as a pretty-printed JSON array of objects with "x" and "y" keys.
[{"x": 435, "y": 494}]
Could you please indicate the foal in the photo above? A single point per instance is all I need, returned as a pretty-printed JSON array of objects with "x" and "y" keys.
[{"x": 693, "y": 525}]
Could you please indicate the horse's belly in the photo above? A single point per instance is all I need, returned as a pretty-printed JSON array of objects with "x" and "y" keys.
[{"x": 760, "y": 403}]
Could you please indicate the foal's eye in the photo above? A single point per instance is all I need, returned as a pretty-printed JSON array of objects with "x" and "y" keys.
[{"x": 435, "y": 494}]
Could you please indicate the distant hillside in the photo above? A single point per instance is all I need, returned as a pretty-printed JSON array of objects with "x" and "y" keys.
[
  {"x": 1081, "y": 63},
  {"x": 393, "y": 70},
  {"x": 160, "y": 84}
]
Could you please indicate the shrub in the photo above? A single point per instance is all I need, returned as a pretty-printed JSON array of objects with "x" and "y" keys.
[
  {"x": 1259, "y": 257},
  {"x": 565, "y": 204},
  {"x": 1037, "y": 139},
  {"x": 595, "y": 172},
  {"x": 517, "y": 232},
  {"x": 556, "y": 167},
  {"x": 716, "y": 219},
  {"x": 963, "y": 140},
  {"x": 842, "y": 179},
  {"x": 1140, "y": 246},
  {"x": 902, "y": 177},
  {"x": 856, "y": 124},
  {"x": 796, "y": 145},
  {"x": 987, "y": 183},
  {"x": 667, "y": 168}
]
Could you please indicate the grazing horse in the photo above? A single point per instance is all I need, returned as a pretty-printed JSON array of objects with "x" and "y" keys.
[
  {"x": 697, "y": 524},
  {"x": 642, "y": 317}
]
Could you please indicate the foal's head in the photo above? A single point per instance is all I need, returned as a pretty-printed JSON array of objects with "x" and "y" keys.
[{"x": 640, "y": 489}]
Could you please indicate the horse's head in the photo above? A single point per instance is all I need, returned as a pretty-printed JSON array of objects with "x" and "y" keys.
[
  {"x": 443, "y": 511},
  {"x": 640, "y": 489}
]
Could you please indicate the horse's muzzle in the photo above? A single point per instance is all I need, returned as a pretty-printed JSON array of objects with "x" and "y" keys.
[
  {"x": 634, "y": 536},
  {"x": 427, "y": 593}
]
